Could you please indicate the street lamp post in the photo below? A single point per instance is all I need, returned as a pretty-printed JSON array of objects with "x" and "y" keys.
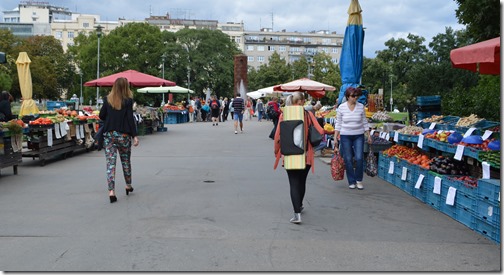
[
  {"x": 163, "y": 58},
  {"x": 81, "y": 100},
  {"x": 391, "y": 99},
  {"x": 98, "y": 33}
]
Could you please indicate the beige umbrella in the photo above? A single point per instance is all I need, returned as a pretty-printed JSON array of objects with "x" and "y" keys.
[{"x": 28, "y": 106}]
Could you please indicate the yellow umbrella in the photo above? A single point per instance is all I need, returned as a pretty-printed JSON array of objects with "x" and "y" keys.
[{"x": 28, "y": 106}]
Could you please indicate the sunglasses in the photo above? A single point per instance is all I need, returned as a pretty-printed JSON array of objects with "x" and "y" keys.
[{"x": 353, "y": 96}]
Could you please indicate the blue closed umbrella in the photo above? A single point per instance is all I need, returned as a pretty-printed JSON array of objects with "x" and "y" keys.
[{"x": 352, "y": 52}]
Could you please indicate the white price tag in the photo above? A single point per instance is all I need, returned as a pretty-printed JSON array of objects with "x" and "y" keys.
[
  {"x": 63, "y": 128},
  {"x": 396, "y": 136},
  {"x": 387, "y": 136},
  {"x": 57, "y": 130},
  {"x": 432, "y": 125},
  {"x": 404, "y": 173},
  {"x": 371, "y": 133},
  {"x": 419, "y": 181},
  {"x": 420, "y": 141},
  {"x": 437, "y": 186},
  {"x": 81, "y": 130},
  {"x": 77, "y": 132},
  {"x": 420, "y": 121},
  {"x": 486, "y": 135},
  {"x": 391, "y": 168},
  {"x": 49, "y": 137},
  {"x": 450, "y": 197},
  {"x": 460, "y": 152},
  {"x": 486, "y": 170},
  {"x": 469, "y": 132}
]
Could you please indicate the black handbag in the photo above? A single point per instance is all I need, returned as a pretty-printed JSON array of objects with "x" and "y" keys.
[
  {"x": 99, "y": 137},
  {"x": 314, "y": 136}
]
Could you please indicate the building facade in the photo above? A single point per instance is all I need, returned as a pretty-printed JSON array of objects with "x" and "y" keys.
[{"x": 40, "y": 18}]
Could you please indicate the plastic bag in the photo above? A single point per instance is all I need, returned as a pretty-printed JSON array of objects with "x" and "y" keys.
[
  {"x": 371, "y": 164},
  {"x": 337, "y": 167}
]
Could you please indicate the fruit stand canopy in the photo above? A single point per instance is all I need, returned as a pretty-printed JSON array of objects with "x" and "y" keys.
[
  {"x": 162, "y": 90},
  {"x": 135, "y": 79},
  {"x": 482, "y": 57},
  {"x": 314, "y": 88}
]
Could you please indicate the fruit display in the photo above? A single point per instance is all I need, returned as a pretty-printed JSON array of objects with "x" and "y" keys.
[
  {"x": 41, "y": 121},
  {"x": 379, "y": 140},
  {"x": 14, "y": 126},
  {"x": 439, "y": 135},
  {"x": 381, "y": 116},
  {"x": 482, "y": 146},
  {"x": 328, "y": 127},
  {"x": 434, "y": 118},
  {"x": 468, "y": 180},
  {"x": 401, "y": 151},
  {"x": 410, "y": 130},
  {"x": 448, "y": 166},
  {"x": 492, "y": 157},
  {"x": 468, "y": 121}
]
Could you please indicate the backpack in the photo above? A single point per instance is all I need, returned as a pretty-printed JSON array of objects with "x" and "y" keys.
[
  {"x": 214, "y": 105},
  {"x": 270, "y": 111}
]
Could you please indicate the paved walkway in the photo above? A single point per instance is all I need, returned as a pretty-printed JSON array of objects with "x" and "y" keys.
[{"x": 208, "y": 200}]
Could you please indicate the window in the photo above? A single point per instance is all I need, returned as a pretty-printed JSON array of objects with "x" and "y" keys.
[
  {"x": 70, "y": 44},
  {"x": 58, "y": 35},
  {"x": 260, "y": 58},
  {"x": 250, "y": 47},
  {"x": 238, "y": 39},
  {"x": 282, "y": 48},
  {"x": 271, "y": 48},
  {"x": 326, "y": 41},
  {"x": 307, "y": 40},
  {"x": 71, "y": 35},
  {"x": 260, "y": 48},
  {"x": 295, "y": 49},
  {"x": 326, "y": 50},
  {"x": 85, "y": 25},
  {"x": 250, "y": 59},
  {"x": 334, "y": 60},
  {"x": 334, "y": 50}
]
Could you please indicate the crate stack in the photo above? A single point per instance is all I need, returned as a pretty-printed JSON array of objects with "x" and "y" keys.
[
  {"x": 477, "y": 207},
  {"x": 428, "y": 106}
]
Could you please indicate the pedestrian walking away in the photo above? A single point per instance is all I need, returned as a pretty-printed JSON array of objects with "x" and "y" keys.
[
  {"x": 238, "y": 109},
  {"x": 297, "y": 177},
  {"x": 118, "y": 130},
  {"x": 274, "y": 111},
  {"x": 259, "y": 110},
  {"x": 351, "y": 124},
  {"x": 215, "y": 110}
]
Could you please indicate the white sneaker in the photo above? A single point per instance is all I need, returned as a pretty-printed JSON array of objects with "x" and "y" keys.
[
  {"x": 236, "y": 132},
  {"x": 359, "y": 185},
  {"x": 351, "y": 186},
  {"x": 296, "y": 218}
]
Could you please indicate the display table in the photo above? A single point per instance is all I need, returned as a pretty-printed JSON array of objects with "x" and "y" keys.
[
  {"x": 8, "y": 155},
  {"x": 44, "y": 142},
  {"x": 174, "y": 117}
]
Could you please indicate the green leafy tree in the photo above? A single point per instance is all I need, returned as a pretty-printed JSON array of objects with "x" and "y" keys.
[
  {"x": 50, "y": 68},
  {"x": 7, "y": 44},
  {"x": 325, "y": 71},
  {"x": 481, "y": 18}
]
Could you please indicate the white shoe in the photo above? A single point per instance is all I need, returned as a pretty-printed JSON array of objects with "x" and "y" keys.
[
  {"x": 236, "y": 132},
  {"x": 296, "y": 218},
  {"x": 351, "y": 186},
  {"x": 359, "y": 185}
]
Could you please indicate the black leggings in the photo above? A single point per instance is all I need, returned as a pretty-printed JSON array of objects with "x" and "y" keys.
[{"x": 297, "y": 181}]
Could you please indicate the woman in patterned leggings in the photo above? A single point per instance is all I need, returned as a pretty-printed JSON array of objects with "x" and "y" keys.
[{"x": 119, "y": 129}]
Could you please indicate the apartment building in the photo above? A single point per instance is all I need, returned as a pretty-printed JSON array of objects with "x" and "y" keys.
[{"x": 260, "y": 45}]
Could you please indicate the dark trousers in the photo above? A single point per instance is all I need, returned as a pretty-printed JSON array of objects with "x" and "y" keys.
[
  {"x": 297, "y": 181},
  {"x": 275, "y": 123}
]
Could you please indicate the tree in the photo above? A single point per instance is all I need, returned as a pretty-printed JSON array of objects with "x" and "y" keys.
[
  {"x": 50, "y": 68},
  {"x": 7, "y": 44},
  {"x": 481, "y": 18}
]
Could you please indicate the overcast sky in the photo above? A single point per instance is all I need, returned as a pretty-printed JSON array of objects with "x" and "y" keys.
[{"x": 383, "y": 19}]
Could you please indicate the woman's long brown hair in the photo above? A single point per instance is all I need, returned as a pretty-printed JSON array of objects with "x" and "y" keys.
[{"x": 120, "y": 91}]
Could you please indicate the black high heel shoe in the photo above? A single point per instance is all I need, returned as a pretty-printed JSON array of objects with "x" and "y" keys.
[
  {"x": 113, "y": 199},
  {"x": 129, "y": 190}
]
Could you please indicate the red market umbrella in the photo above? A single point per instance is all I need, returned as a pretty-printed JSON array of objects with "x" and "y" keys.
[
  {"x": 314, "y": 88},
  {"x": 136, "y": 79},
  {"x": 482, "y": 57}
]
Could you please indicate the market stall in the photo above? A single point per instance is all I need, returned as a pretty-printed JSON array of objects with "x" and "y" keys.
[
  {"x": 453, "y": 165},
  {"x": 57, "y": 134},
  {"x": 11, "y": 138}
]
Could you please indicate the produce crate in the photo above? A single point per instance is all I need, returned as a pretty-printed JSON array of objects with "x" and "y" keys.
[
  {"x": 446, "y": 123},
  {"x": 409, "y": 138},
  {"x": 492, "y": 232},
  {"x": 489, "y": 190},
  {"x": 433, "y": 200},
  {"x": 471, "y": 152},
  {"x": 450, "y": 210},
  {"x": 422, "y": 115},
  {"x": 496, "y": 159},
  {"x": 428, "y": 100},
  {"x": 485, "y": 125},
  {"x": 465, "y": 217},
  {"x": 442, "y": 146},
  {"x": 487, "y": 212}
]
